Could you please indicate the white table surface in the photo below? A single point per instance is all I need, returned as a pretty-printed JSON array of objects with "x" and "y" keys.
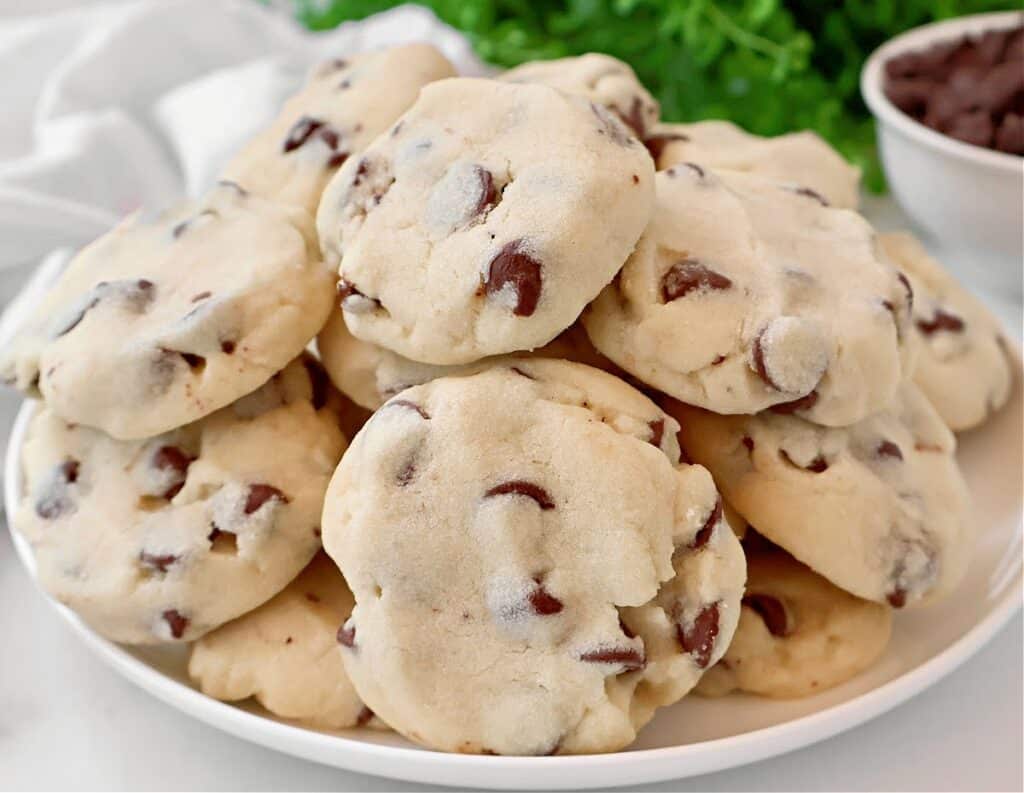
[{"x": 69, "y": 722}]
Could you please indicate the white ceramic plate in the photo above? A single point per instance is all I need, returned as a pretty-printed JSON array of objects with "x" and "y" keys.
[{"x": 695, "y": 736}]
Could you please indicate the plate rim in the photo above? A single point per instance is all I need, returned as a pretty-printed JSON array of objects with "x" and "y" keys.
[{"x": 416, "y": 764}]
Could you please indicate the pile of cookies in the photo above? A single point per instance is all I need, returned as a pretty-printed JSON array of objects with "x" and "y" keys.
[{"x": 631, "y": 409}]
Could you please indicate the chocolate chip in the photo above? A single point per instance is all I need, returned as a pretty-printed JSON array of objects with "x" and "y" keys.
[
  {"x": 796, "y": 405},
  {"x": 748, "y": 442},
  {"x": 521, "y": 373},
  {"x": 312, "y": 598},
  {"x": 543, "y": 602},
  {"x": 200, "y": 296},
  {"x": 889, "y": 449},
  {"x": 514, "y": 269},
  {"x": 171, "y": 458},
  {"x": 897, "y": 598},
  {"x": 818, "y": 465},
  {"x": 657, "y": 431},
  {"x": 318, "y": 381},
  {"x": 136, "y": 295},
  {"x": 362, "y": 170},
  {"x": 405, "y": 403},
  {"x": 699, "y": 638},
  {"x": 260, "y": 494},
  {"x": 771, "y": 611},
  {"x": 407, "y": 473},
  {"x": 941, "y": 321},
  {"x": 177, "y": 623},
  {"x": 809, "y": 193},
  {"x": 690, "y": 275},
  {"x": 487, "y": 196},
  {"x": 759, "y": 365},
  {"x": 159, "y": 562},
  {"x": 520, "y": 487},
  {"x": 300, "y": 133},
  {"x": 656, "y": 143},
  {"x": 909, "y": 289},
  {"x": 57, "y": 501},
  {"x": 628, "y": 658},
  {"x": 227, "y": 347},
  {"x": 701, "y": 173},
  {"x": 347, "y": 635},
  {"x": 634, "y": 118},
  {"x": 717, "y": 360},
  {"x": 713, "y": 519},
  {"x": 364, "y": 717},
  {"x": 184, "y": 225},
  {"x": 352, "y": 300}
]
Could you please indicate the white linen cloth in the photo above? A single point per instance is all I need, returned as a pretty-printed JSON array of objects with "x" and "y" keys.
[{"x": 111, "y": 107}]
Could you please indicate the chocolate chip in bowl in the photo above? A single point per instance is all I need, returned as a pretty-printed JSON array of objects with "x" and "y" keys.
[{"x": 948, "y": 99}]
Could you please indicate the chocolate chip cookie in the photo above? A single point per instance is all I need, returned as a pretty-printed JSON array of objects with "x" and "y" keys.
[
  {"x": 879, "y": 508},
  {"x": 346, "y": 103},
  {"x": 802, "y": 159},
  {"x": 155, "y": 325},
  {"x": 963, "y": 366},
  {"x": 534, "y": 570},
  {"x": 798, "y": 634},
  {"x": 284, "y": 654},
  {"x": 370, "y": 374},
  {"x": 166, "y": 538},
  {"x": 602, "y": 79},
  {"x": 745, "y": 293},
  {"x": 484, "y": 221}
]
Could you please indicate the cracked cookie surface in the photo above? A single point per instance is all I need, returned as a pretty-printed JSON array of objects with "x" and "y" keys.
[
  {"x": 484, "y": 221},
  {"x": 157, "y": 324},
  {"x": 879, "y": 508},
  {"x": 534, "y": 570},
  {"x": 744, "y": 294},
  {"x": 165, "y": 538}
]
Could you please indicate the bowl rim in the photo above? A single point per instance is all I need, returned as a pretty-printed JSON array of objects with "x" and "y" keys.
[{"x": 873, "y": 73}]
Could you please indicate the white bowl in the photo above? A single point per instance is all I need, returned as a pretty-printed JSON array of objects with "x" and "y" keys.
[{"x": 970, "y": 199}]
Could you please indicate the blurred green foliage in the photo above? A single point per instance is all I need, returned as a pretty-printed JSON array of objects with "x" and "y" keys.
[{"x": 769, "y": 65}]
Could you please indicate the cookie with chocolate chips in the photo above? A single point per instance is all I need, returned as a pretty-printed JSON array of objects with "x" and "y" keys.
[
  {"x": 798, "y": 634},
  {"x": 157, "y": 324},
  {"x": 484, "y": 221},
  {"x": 345, "y": 104},
  {"x": 802, "y": 159},
  {"x": 879, "y": 508},
  {"x": 283, "y": 654},
  {"x": 602, "y": 79},
  {"x": 535, "y": 571},
  {"x": 164, "y": 539},
  {"x": 744, "y": 294},
  {"x": 370, "y": 374},
  {"x": 963, "y": 366}
]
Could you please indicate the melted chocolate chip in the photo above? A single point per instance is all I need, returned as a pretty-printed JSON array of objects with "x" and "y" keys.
[
  {"x": 260, "y": 494},
  {"x": 628, "y": 658},
  {"x": 713, "y": 519},
  {"x": 171, "y": 458},
  {"x": 897, "y": 598},
  {"x": 347, "y": 635},
  {"x": 759, "y": 365},
  {"x": 176, "y": 622},
  {"x": 657, "y": 432},
  {"x": 488, "y": 195},
  {"x": 300, "y": 132},
  {"x": 405, "y": 403},
  {"x": 699, "y": 638},
  {"x": 818, "y": 465},
  {"x": 513, "y": 268},
  {"x": 942, "y": 320},
  {"x": 795, "y": 405},
  {"x": 57, "y": 501},
  {"x": 520, "y": 487},
  {"x": 543, "y": 602},
  {"x": 656, "y": 143},
  {"x": 889, "y": 449},
  {"x": 771, "y": 611},
  {"x": 364, "y": 717},
  {"x": 346, "y": 291},
  {"x": 809, "y": 193},
  {"x": 318, "y": 381},
  {"x": 159, "y": 562},
  {"x": 687, "y": 276}
]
